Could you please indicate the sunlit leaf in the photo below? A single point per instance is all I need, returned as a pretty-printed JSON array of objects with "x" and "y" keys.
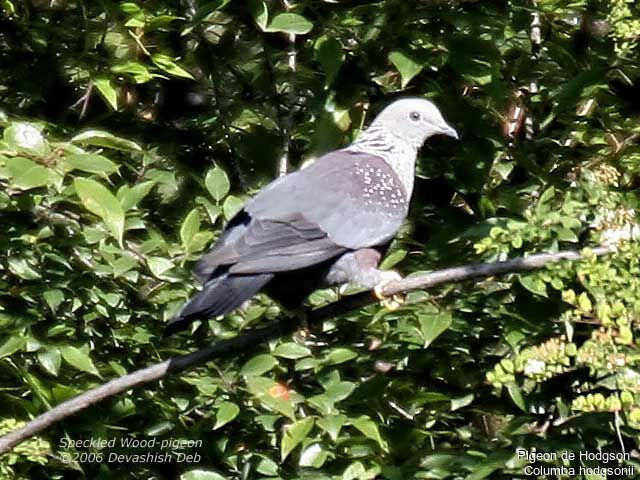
[
  {"x": 100, "y": 138},
  {"x": 189, "y": 229},
  {"x": 407, "y": 67},
  {"x": 200, "y": 474},
  {"x": 369, "y": 429},
  {"x": 169, "y": 65},
  {"x": 78, "y": 359},
  {"x": 50, "y": 359},
  {"x": 99, "y": 200},
  {"x": 258, "y": 9},
  {"x": 227, "y": 411},
  {"x": 89, "y": 162},
  {"x": 25, "y": 137},
  {"x": 432, "y": 326},
  {"x": 294, "y": 434},
  {"x": 290, "y": 23},
  {"x": 27, "y": 174},
  {"x": 258, "y": 365},
  {"x": 107, "y": 91},
  {"x": 217, "y": 183}
]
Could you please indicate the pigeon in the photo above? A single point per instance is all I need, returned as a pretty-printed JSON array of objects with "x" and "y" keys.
[{"x": 326, "y": 224}]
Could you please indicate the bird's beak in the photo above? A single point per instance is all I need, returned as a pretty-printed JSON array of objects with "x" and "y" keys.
[{"x": 449, "y": 131}]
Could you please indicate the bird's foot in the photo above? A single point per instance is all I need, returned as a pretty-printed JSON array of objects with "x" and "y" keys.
[{"x": 393, "y": 302}]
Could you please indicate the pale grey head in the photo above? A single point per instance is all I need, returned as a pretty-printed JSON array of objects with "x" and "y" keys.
[
  {"x": 399, "y": 131},
  {"x": 413, "y": 120}
]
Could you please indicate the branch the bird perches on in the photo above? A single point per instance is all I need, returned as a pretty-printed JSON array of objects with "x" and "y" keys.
[{"x": 275, "y": 329}]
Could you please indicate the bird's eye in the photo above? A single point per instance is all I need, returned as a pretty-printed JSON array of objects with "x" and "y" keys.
[{"x": 415, "y": 116}]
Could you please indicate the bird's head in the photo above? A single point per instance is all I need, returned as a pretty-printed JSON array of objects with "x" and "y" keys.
[{"x": 413, "y": 120}]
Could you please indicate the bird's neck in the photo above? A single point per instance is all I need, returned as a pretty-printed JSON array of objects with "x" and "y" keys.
[{"x": 394, "y": 150}]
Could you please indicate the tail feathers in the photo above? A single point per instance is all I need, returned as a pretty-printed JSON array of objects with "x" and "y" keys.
[{"x": 218, "y": 296}]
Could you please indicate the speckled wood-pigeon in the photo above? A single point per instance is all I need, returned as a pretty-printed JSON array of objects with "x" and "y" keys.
[{"x": 325, "y": 224}]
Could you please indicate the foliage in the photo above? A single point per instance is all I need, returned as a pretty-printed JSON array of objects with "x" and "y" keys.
[{"x": 131, "y": 131}]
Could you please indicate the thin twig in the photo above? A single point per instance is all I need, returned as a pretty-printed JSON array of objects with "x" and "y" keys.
[
  {"x": 283, "y": 164},
  {"x": 276, "y": 329},
  {"x": 84, "y": 100}
]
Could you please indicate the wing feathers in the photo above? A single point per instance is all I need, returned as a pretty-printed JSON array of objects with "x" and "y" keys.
[{"x": 271, "y": 246}]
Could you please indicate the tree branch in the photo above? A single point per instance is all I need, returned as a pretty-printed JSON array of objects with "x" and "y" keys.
[
  {"x": 275, "y": 329},
  {"x": 287, "y": 126}
]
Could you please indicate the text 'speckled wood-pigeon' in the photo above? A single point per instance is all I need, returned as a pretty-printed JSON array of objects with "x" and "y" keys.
[{"x": 323, "y": 225}]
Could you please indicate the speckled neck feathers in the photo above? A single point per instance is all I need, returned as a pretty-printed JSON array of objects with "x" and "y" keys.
[{"x": 399, "y": 154}]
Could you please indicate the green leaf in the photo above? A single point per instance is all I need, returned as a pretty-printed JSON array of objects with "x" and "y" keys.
[
  {"x": 294, "y": 434},
  {"x": 516, "y": 396},
  {"x": 133, "y": 68},
  {"x": 407, "y": 67},
  {"x": 78, "y": 359},
  {"x": 268, "y": 467},
  {"x": 495, "y": 461},
  {"x": 159, "y": 266},
  {"x": 393, "y": 259},
  {"x": 461, "y": 402},
  {"x": 200, "y": 474},
  {"x": 12, "y": 345},
  {"x": 53, "y": 298},
  {"x": 291, "y": 350},
  {"x": 131, "y": 8},
  {"x": 313, "y": 456},
  {"x": 190, "y": 227},
  {"x": 330, "y": 54},
  {"x": 339, "y": 391},
  {"x": 227, "y": 411},
  {"x": 27, "y": 174},
  {"x": 89, "y": 162},
  {"x": 340, "y": 355},
  {"x": 22, "y": 268},
  {"x": 99, "y": 200},
  {"x": 290, "y": 23},
  {"x": 231, "y": 206},
  {"x": 161, "y": 22},
  {"x": 100, "y": 138},
  {"x": 533, "y": 284},
  {"x": 138, "y": 71},
  {"x": 107, "y": 91},
  {"x": 432, "y": 326},
  {"x": 217, "y": 183},
  {"x": 258, "y": 365},
  {"x": 369, "y": 429},
  {"x": 322, "y": 403},
  {"x": 264, "y": 390},
  {"x": 25, "y": 137},
  {"x": 259, "y": 12},
  {"x": 135, "y": 22},
  {"x": 168, "y": 65},
  {"x": 50, "y": 359},
  {"x": 584, "y": 302},
  {"x": 130, "y": 196},
  {"x": 356, "y": 471},
  {"x": 213, "y": 211},
  {"x": 332, "y": 424}
]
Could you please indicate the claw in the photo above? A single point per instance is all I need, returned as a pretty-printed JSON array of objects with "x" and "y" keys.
[{"x": 393, "y": 302}]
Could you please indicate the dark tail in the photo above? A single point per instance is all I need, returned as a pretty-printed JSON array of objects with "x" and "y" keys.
[{"x": 219, "y": 295}]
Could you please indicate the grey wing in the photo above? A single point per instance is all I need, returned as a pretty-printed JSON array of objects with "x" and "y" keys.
[
  {"x": 308, "y": 217},
  {"x": 356, "y": 198},
  {"x": 268, "y": 246}
]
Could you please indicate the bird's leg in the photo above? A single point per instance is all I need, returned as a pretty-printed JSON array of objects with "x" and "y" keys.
[{"x": 361, "y": 267}]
